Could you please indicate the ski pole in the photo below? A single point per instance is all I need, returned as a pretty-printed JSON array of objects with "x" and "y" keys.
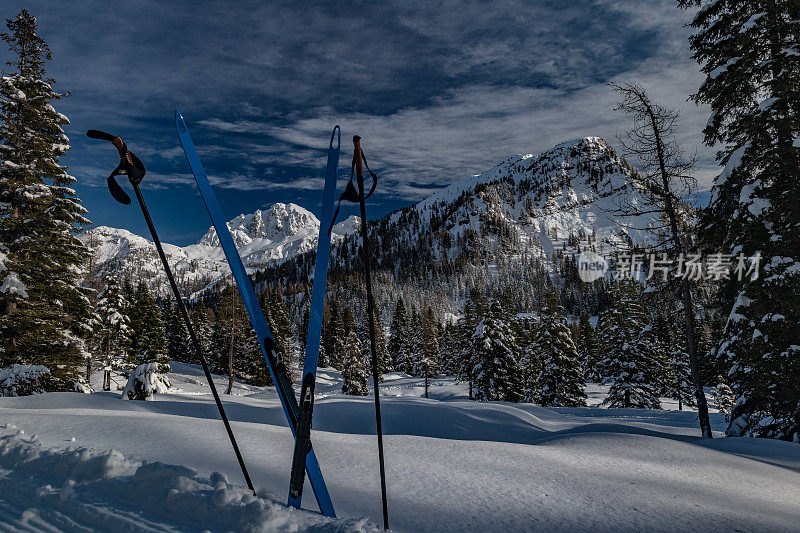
[
  {"x": 131, "y": 166},
  {"x": 357, "y": 160}
]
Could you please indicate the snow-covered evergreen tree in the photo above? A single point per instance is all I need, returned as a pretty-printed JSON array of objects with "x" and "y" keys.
[
  {"x": 398, "y": 334},
  {"x": 723, "y": 397},
  {"x": 383, "y": 357},
  {"x": 530, "y": 364},
  {"x": 277, "y": 316},
  {"x": 250, "y": 366},
  {"x": 561, "y": 381},
  {"x": 44, "y": 310},
  {"x": 302, "y": 336},
  {"x": 114, "y": 327},
  {"x": 449, "y": 346},
  {"x": 497, "y": 375},
  {"x": 466, "y": 350},
  {"x": 335, "y": 337},
  {"x": 750, "y": 53},
  {"x": 179, "y": 345},
  {"x": 426, "y": 362},
  {"x": 354, "y": 368},
  {"x": 413, "y": 345},
  {"x": 203, "y": 331},
  {"x": 679, "y": 374},
  {"x": 148, "y": 342},
  {"x": 587, "y": 346},
  {"x": 627, "y": 348}
]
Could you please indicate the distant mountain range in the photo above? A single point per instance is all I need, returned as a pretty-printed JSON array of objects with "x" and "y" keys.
[
  {"x": 263, "y": 238},
  {"x": 570, "y": 196}
]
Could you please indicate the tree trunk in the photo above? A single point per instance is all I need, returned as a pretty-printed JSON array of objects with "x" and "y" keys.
[
  {"x": 230, "y": 356},
  {"x": 107, "y": 365},
  {"x": 426, "y": 386}
]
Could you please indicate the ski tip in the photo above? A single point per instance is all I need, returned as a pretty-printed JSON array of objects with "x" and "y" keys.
[
  {"x": 179, "y": 123},
  {"x": 337, "y": 132}
]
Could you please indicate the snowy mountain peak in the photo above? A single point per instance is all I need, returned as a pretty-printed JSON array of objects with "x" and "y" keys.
[{"x": 277, "y": 222}]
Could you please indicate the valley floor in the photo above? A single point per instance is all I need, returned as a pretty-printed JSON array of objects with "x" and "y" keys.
[{"x": 452, "y": 464}]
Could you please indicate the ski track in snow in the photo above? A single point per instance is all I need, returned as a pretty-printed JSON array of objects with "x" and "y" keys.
[{"x": 452, "y": 464}]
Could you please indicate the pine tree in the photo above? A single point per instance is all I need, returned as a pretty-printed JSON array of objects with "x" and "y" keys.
[
  {"x": 750, "y": 53},
  {"x": 587, "y": 346},
  {"x": 250, "y": 366},
  {"x": 449, "y": 364},
  {"x": 179, "y": 345},
  {"x": 302, "y": 337},
  {"x": 203, "y": 332},
  {"x": 278, "y": 318},
  {"x": 382, "y": 351},
  {"x": 397, "y": 335},
  {"x": 426, "y": 362},
  {"x": 114, "y": 327},
  {"x": 45, "y": 313},
  {"x": 628, "y": 364},
  {"x": 335, "y": 337},
  {"x": 723, "y": 397},
  {"x": 561, "y": 380},
  {"x": 354, "y": 369},
  {"x": 530, "y": 364},
  {"x": 497, "y": 375},
  {"x": 148, "y": 342},
  {"x": 466, "y": 345},
  {"x": 413, "y": 345},
  {"x": 228, "y": 340},
  {"x": 679, "y": 383}
]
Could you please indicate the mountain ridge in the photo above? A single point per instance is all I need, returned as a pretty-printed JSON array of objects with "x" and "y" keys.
[{"x": 524, "y": 206}]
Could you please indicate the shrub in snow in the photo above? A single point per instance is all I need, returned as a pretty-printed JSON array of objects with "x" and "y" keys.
[
  {"x": 148, "y": 379},
  {"x": 21, "y": 380},
  {"x": 723, "y": 396},
  {"x": 83, "y": 387}
]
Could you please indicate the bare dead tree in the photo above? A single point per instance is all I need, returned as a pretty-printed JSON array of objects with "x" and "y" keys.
[
  {"x": 230, "y": 312},
  {"x": 663, "y": 178}
]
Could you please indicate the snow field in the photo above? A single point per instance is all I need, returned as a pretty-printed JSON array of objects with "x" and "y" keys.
[{"x": 452, "y": 464}]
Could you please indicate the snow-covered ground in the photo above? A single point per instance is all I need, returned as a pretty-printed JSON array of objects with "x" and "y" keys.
[{"x": 452, "y": 464}]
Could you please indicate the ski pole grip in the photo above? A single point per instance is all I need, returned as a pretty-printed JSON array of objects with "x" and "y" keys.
[{"x": 97, "y": 134}]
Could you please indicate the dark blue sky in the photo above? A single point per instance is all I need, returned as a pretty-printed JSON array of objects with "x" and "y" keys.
[{"x": 437, "y": 92}]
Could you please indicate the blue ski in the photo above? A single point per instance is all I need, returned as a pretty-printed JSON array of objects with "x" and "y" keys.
[
  {"x": 302, "y": 445},
  {"x": 268, "y": 348}
]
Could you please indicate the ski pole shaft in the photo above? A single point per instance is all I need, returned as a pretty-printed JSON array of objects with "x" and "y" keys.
[
  {"x": 370, "y": 311},
  {"x": 192, "y": 335}
]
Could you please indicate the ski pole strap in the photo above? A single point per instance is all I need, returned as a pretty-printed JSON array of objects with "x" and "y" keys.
[{"x": 350, "y": 193}]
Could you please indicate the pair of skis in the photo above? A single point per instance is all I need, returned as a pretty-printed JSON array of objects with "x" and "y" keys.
[{"x": 297, "y": 415}]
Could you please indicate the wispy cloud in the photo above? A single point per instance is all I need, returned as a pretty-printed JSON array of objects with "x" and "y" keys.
[{"x": 438, "y": 91}]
